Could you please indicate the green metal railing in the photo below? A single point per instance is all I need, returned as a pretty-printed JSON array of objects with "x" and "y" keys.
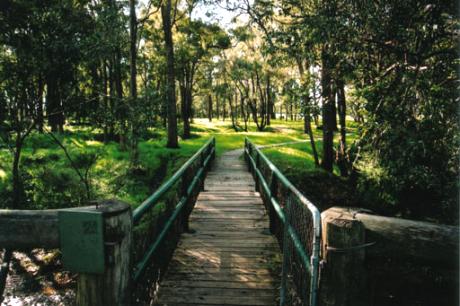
[
  {"x": 296, "y": 223},
  {"x": 201, "y": 161}
]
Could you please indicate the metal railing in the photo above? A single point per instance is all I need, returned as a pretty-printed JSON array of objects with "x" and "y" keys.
[
  {"x": 296, "y": 223},
  {"x": 191, "y": 175}
]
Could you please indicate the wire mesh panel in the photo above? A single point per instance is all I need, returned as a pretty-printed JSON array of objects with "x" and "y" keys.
[
  {"x": 161, "y": 219},
  {"x": 296, "y": 271},
  {"x": 296, "y": 224}
]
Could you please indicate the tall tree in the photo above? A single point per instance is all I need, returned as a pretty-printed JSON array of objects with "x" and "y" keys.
[{"x": 166, "y": 11}]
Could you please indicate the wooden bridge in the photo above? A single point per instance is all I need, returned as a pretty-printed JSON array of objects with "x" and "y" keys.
[
  {"x": 229, "y": 225},
  {"x": 230, "y": 257}
]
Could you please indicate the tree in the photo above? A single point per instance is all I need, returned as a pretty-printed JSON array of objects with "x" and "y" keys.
[
  {"x": 166, "y": 10},
  {"x": 198, "y": 44}
]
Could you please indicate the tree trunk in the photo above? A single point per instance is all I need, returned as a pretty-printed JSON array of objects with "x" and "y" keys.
[
  {"x": 17, "y": 181},
  {"x": 232, "y": 114},
  {"x": 307, "y": 110},
  {"x": 328, "y": 113},
  {"x": 52, "y": 103},
  {"x": 224, "y": 110},
  {"x": 40, "y": 120},
  {"x": 187, "y": 112},
  {"x": 210, "y": 107},
  {"x": 112, "y": 100},
  {"x": 269, "y": 101},
  {"x": 309, "y": 131},
  {"x": 133, "y": 118},
  {"x": 170, "y": 80},
  {"x": 334, "y": 106},
  {"x": 217, "y": 107},
  {"x": 105, "y": 103},
  {"x": 341, "y": 105},
  {"x": 120, "y": 107}
]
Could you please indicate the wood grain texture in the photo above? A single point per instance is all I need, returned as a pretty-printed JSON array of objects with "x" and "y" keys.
[
  {"x": 112, "y": 287},
  {"x": 230, "y": 257}
]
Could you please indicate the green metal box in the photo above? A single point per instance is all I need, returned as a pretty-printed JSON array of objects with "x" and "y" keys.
[{"x": 81, "y": 235}]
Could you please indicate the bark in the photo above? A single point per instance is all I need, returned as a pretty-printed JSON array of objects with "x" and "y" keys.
[
  {"x": 269, "y": 101},
  {"x": 309, "y": 131},
  {"x": 334, "y": 106},
  {"x": 120, "y": 107},
  {"x": 17, "y": 181},
  {"x": 307, "y": 112},
  {"x": 170, "y": 80},
  {"x": 217, "y": 107},
  {"x": 53, "y": 101},
  {"x": 134, "y": 121},
  {"x": 189, "y": 73},
  {"x": 341, "y": 106},
  {"x": 224, "y": 110},
  {"x": 328, "y": 112},
  {"x": 111, "y": 100},
  {"x": 210, "y": 107},
  {"x": 40, "y": 120},
  {"x": 263, "y": 105},
  {"x": 244, "y": 112},
  {"x": 232, "y": 113},
  {"x": 105, "y": 102}
]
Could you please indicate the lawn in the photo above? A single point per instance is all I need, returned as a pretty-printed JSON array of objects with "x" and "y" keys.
[{"x": 51, "y": 182}]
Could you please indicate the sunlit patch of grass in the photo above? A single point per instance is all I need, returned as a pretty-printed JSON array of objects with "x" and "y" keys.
[
  {"x": 297, "y": 156},
  {"x": 2, "y": 174},
  {"x": 93, "y": 143},
  {"x": 111, "y": 176}
]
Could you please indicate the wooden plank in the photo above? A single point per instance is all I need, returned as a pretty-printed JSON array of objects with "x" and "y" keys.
[
  {"x": 226, "y": 261},
  {"x": 27, "y": 229},
  {"x": 230, "y": 271},
  {"x": 231, "y": 201},
  {"x": 226, "y": 277},
  {"x": 229, "y": 240},
  {"x": 228, "y": 188},
  {"x": 225, "y": 197},
  {"x": 219, "y": 284},
  {"x": 213, "y": 291},
  {"x": 216, "y": 214},
  {"x": 230, "y": 194},
  {"x": 248, "y": 254},
  {"x": 239, "y": 183},
  {"x": 228, "y": 209},
  {"x": 203, "y": 234},
  {"x": 216, "y": 300},
  {"x": 219, "y": 225},
  {"x": 229, "y": 258}
]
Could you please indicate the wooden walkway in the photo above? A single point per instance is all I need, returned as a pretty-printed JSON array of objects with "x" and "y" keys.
[{"x": 229, "y": 260}]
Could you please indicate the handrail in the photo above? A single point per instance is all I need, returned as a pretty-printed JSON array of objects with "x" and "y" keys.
[
  {"x": 210, "y": 149},
  {"x": 312, "y": 263},
  {"x": 153, "y": 199}
]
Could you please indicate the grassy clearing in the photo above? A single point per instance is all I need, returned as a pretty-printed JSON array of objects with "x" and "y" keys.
[{"x": 50, "y": 181}]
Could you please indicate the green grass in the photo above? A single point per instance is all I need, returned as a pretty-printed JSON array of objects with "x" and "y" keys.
[{"x": 51, "y": 182}]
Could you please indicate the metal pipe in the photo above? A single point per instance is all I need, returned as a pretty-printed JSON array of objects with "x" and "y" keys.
[
  {"x": 311, "y": 264},
  {"x": 153, "y": 199}
]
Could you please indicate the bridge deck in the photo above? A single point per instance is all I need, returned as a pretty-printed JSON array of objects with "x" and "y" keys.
[{"x": 229, "y": 260}]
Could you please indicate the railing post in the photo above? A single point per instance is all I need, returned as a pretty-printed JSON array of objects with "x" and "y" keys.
[
  {"x": 185, "y": 181},
  {"x": 113, "y": 286},
  {"x": 255, "y": 173},
  {"x": 343, "y": 277},
  {"x": 285, "y": 262},
  {"x": 247, "y": 154},
  {"x": 271, "y": 211},
  {"x": 213, "y": 150},
  {"x": 202, "y": 159}
]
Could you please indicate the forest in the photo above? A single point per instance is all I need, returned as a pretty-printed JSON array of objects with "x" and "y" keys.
[
  {"x": 107, "y": 99},
  {"x": 86, "y": 86}
]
